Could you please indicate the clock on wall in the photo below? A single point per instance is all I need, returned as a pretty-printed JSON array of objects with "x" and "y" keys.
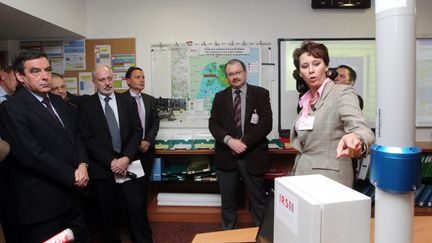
[{"x": 343, "y": 4}]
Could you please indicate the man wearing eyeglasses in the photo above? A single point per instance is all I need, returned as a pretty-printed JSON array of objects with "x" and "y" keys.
[
  {"x": 48, "y": 162},
  {"x": 111, "y": 129},
  {"x": 240, "y": 120}
]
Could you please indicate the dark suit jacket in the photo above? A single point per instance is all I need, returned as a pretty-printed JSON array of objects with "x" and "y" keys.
[
  {"x": 44, "y": 157},
  {"x": 151, "y": 129},
  {"x": 94, "y": 129},
  {"x": 221, "y": 123}
]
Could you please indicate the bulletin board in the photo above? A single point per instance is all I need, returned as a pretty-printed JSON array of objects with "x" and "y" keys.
[
  {"x": 118, "y": 46},
  {"x": 189, "y": 75}
]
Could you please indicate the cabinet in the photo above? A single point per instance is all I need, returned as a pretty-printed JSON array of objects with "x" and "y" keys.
[{"x": 279, "y": 158}]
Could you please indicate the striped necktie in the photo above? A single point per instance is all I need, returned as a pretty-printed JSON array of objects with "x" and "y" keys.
[{"x": 237, "y": 111}]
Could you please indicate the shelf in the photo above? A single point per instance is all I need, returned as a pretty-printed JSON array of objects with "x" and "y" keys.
[
  {"x": 211, "y": 151},
  {"x": 422, "y": 211},
  {"x": 280, "y": 158},
  {"x": 426, "y": 147},
  {"x": 418, "y": 211},
  {"x": 190, "y": 214},
  {"x": 184, "y": 151}
]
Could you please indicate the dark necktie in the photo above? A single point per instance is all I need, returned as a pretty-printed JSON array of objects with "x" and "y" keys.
[
  {"x": 237, "y": 111},
  {"x": 141, "y": 112},
  {"x": 47, "y": 103},
  {"x": 113, "y": 126}
]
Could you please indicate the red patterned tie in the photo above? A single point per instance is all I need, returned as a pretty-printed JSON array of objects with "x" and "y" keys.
[
  {"x": 237, "y": 110},
  {"x": 46, "y": 101}
]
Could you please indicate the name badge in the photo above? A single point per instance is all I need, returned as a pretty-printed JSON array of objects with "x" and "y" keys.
[
  {"x": 306, "y": 123},
  {"x": 254, "y": 118}
]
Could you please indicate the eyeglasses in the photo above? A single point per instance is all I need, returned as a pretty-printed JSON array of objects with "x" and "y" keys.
[{"x": 231, "y": 75}]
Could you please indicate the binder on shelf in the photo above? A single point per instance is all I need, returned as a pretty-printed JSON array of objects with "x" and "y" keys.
[
  {"x": 181, "y": 144},
  {"x": 204, "y": 144},
  {"x": 198, "y": 166},
  {"x": 424, "y": 166},
  {"x": 174, "y": 178},
  {"x": 175, "y": 169},
  {"x": 429, "y": 203},
  {"x": 162, "y": 144},
  {"x": 206, "y": 176},
  {"x": 275, "y": 144},
  {"x": 418, "y": 193},
  {"x": 426, "y": 195},
  {"x": 174, "y": 172},
  {"x": 427, "y": 166},
  {"x": 157, "y": 169}
]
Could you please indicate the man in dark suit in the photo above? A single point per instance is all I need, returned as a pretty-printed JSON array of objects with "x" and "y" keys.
[
  {"x": 240, "y": 120},
  {"x": 8, "y": 85},
  {"x": 347, "y": 75},
  {"x": 58, "y": 87},
  {"x": 149, "y": 117},
  {"x": 111, "y": 130},
  {"x": 48, "y": 162}
]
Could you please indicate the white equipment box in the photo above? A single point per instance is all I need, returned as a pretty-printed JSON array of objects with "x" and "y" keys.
[{"x": 316, "y": 209}]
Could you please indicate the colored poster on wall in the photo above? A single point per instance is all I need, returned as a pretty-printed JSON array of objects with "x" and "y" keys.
[
  {"x": 122, "y": 62},
  {"x": 74, "y": 55},
  {"x": 102, "y": 55},
  {"x": 86, "y": 84},
  {"x": 119, "y": 82},
  {"x": 54, "y": 51},
  {"x": 71, "y": 85}
]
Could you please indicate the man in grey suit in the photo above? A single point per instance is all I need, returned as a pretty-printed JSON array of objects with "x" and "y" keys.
[
  {"x": 240, "y": 120},
  {"x": 48, "y": 163}
]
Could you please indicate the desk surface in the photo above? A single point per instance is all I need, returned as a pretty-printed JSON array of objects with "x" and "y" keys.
[
  {"x": 238, "y": 235},
  {"x": 422, "y": 233}
]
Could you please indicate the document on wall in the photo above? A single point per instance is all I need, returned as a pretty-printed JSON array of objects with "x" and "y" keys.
[
  {"x": 135, "y": 170},
  {"x": 85, "y": 83},
  {"x": 119, "y": 82},
  {"x": 103, "y": 55},
  {"x": 74, "y": 55},
  {"x": 71, "y": 84}
]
